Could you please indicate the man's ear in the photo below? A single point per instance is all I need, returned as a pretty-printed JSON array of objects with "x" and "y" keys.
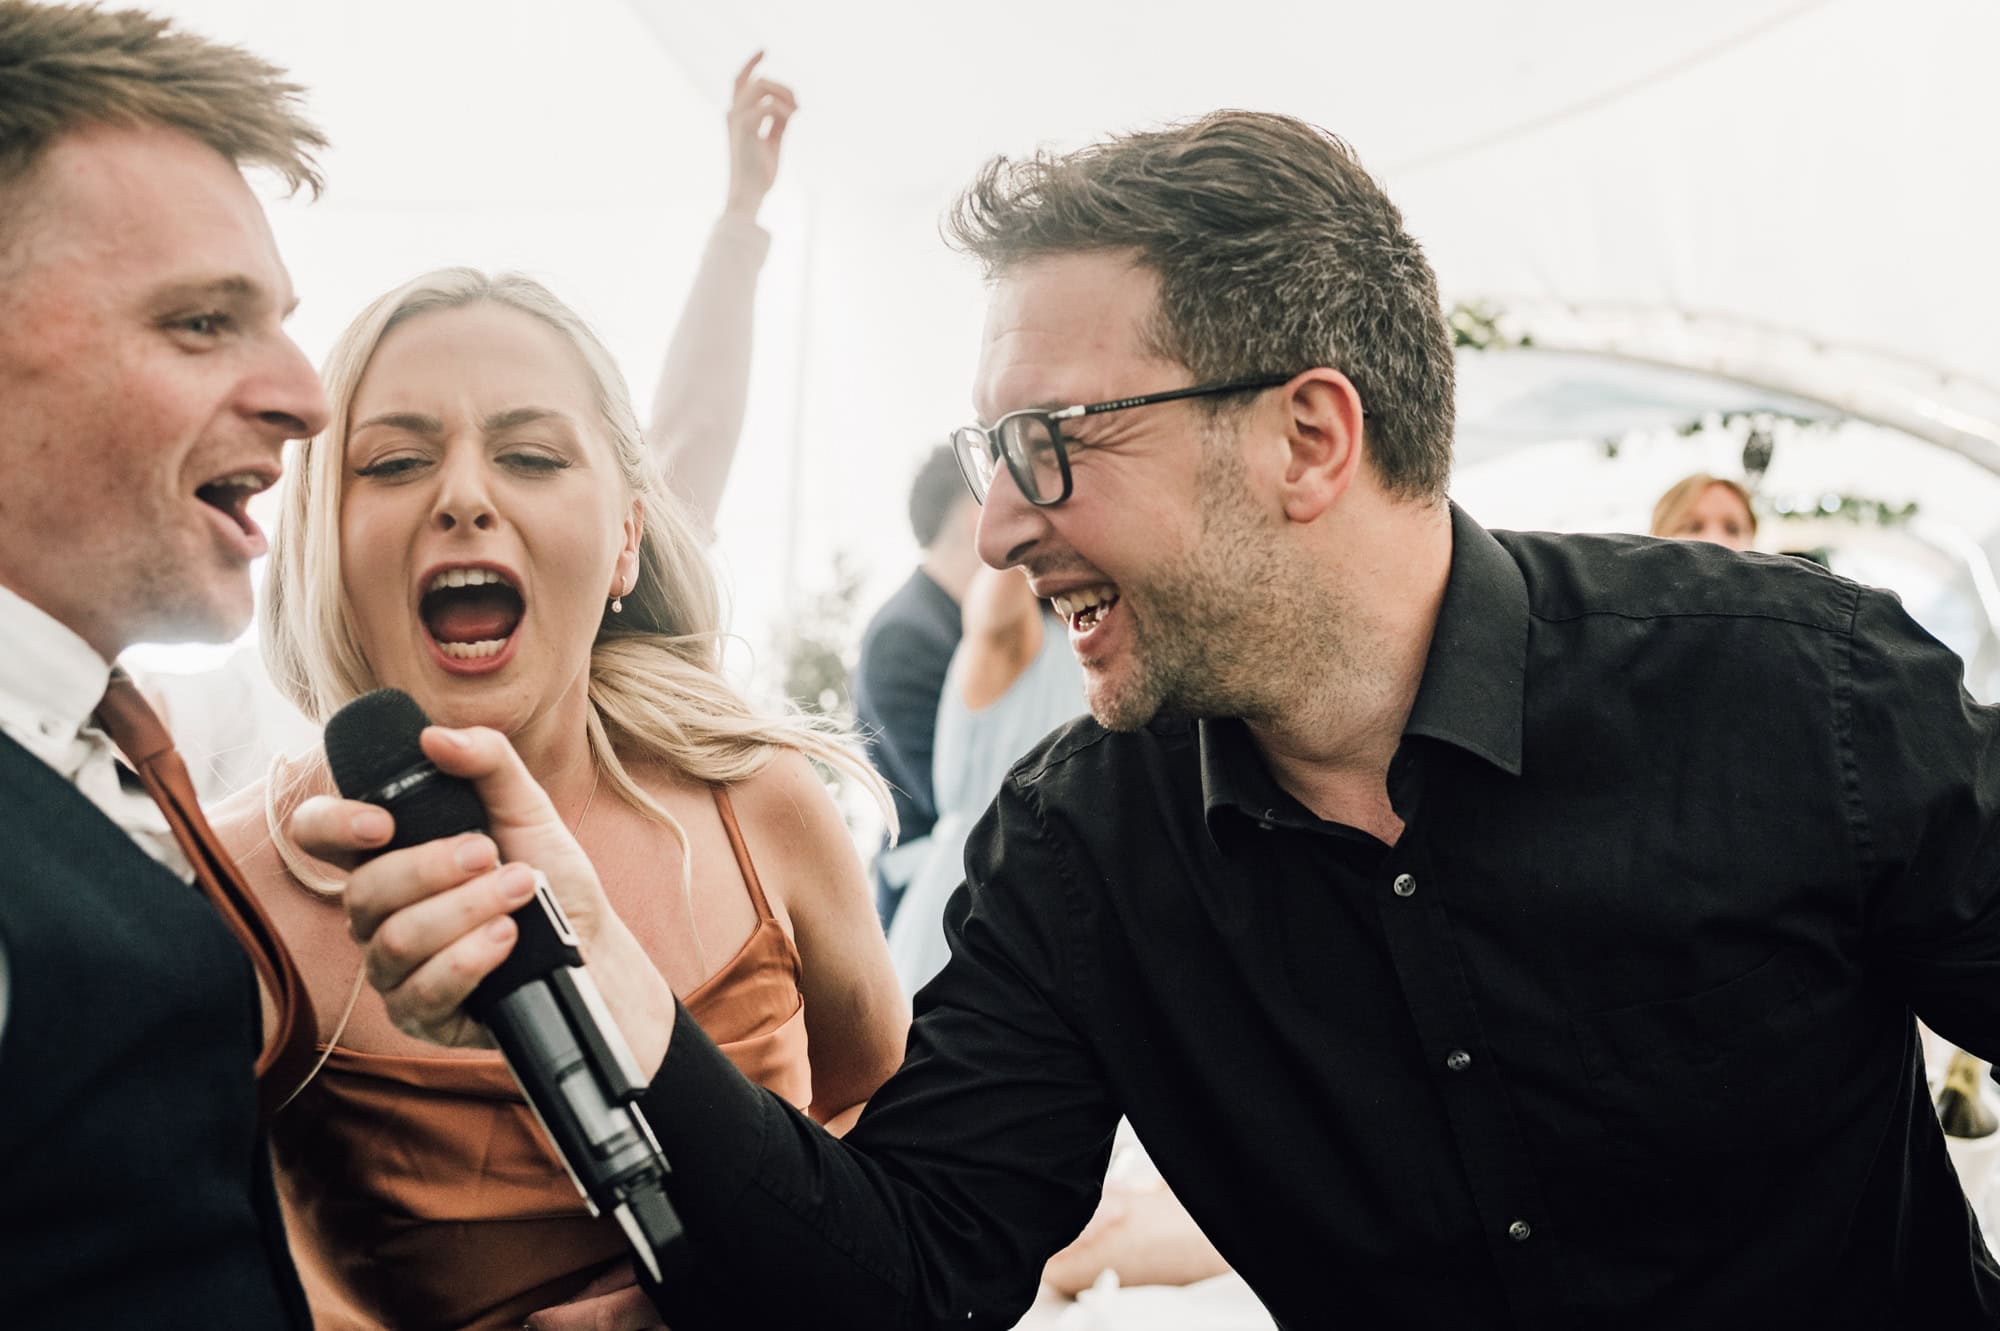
[{"x": 1325, "y": 442}]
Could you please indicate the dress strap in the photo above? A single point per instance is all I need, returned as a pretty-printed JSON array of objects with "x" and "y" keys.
[{"x": 743, "y": 864}]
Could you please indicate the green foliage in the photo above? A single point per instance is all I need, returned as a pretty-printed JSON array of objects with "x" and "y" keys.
[
  {"x": 1759, "y": 431},
  {"x": 819, "y": 643},
  {"x": 1858, "y": 509},
  {"x": 1483, "y": 326},
  {"x": 1477, "y": 324},
  {"x": 1761, "y": 419}
]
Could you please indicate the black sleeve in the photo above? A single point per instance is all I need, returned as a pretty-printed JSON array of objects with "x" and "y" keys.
[
  {"x": 973, "y": 1164},
  {"x": 1923, "y": 787}
]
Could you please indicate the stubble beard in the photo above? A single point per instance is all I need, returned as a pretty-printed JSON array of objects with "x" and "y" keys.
[
  {"x": 1214, "y": 632},
  {"x": 188, "y": 596},
  {"x": 152, "y": 584}
]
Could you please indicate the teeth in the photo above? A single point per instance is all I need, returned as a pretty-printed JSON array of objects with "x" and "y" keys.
[
  {"x": 1071, "y": 604},
  {"x": 472, "y": 651},
  {"x": 242, "y": 480},
  {"x": 466, "y": 577}
]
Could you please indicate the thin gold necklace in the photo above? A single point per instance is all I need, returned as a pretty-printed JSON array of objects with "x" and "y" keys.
[{"x": 596, "y": 775}]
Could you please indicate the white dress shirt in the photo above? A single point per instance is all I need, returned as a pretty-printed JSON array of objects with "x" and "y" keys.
[{"x": 51, "y": 681}]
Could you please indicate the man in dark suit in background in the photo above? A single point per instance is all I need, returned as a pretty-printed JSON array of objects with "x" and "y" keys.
[
  {"x": 146, "y": 389},
  {"x": 904, "y": 652}
]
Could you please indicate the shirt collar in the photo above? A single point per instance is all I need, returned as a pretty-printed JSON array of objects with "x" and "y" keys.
[
  {"x": 51, "y": 680},
  {"x": 1471, "y": 694}
]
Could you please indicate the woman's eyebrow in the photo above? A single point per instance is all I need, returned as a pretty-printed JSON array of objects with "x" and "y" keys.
[
  {"x": 513, "y": 416},
  {"x": 413, "y": 421}
]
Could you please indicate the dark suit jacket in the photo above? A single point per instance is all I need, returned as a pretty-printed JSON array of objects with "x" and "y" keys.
[
  {"x": 135, "y": 1184},
  {"x": 904, "y": 652}
]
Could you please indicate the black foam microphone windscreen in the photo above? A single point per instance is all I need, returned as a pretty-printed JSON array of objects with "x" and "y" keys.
[{"x": 372, "y": 747}]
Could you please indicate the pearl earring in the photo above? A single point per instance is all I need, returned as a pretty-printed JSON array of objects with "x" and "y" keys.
[{"x": 617, "y": 604}]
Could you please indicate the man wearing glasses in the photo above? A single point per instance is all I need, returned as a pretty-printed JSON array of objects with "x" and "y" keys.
[{"x": 1479, "y": 929}]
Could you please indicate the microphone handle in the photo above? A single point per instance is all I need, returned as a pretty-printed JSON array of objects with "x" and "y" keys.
[
  {"x": 547, "y": 1028},
  {"x": 561, "y": 1043}
]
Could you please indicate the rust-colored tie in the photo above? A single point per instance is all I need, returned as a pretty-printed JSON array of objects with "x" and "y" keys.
[{"x": 288, "y": 1059}]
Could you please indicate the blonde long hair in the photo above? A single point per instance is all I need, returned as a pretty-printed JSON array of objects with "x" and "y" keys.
[
  {"x": 656, "y": 683},
  {"x": 1681, "y": 497}
]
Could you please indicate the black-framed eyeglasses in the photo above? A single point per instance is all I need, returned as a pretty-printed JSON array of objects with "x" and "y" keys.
[{"x": 1031, "y": 440}]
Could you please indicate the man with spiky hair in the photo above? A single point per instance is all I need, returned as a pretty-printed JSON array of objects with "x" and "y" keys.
[
  {"x": 904, "y": 652},
  {"x": 1480, "y": 929},
  {"x": 147, "y": 387}
]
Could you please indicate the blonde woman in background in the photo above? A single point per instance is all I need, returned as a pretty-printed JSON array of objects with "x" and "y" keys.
[
  {"x": 482, "y": 527},
  {"x": 1709, "y": 508}
]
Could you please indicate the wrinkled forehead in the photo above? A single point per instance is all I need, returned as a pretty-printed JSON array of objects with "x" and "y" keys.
[
  {"x": 1718, "y": 499},
  {"x": 475, "y": 360},
  {"x": 1059, "y": 329},
  {"x": 126, "y": 210}
]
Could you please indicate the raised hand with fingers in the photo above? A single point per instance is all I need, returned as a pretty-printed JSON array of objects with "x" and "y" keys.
[{"x": 759, "y": 110}]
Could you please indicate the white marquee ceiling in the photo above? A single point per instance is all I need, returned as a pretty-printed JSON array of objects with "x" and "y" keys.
[{"x": 1824, "y": 169}]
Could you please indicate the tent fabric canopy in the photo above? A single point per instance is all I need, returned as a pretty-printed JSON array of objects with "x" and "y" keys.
[{"x": 1824, "y": 171}]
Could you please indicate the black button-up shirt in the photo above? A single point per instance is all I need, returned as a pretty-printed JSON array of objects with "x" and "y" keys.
[{"x": 1619, "y": 1033}]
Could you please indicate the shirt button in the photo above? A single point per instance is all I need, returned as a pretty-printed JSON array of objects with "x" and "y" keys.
[
  {"x": 1405, "y": 885},
  {"x": 1458, "y": 1060},
  {"x": 1519, "y": 1231}
]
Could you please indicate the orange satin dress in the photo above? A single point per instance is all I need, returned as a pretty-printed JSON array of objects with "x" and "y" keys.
[{"x": 420, "y": 1192}]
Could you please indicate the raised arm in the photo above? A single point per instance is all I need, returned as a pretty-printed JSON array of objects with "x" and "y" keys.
[{"x": 704, "y": 384}]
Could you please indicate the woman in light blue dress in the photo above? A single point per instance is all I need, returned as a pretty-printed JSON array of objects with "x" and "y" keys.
[{"x": 1011, "y": 681}]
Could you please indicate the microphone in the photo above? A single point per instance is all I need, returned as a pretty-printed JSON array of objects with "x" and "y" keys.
[{"x": 545, "y": 1013}]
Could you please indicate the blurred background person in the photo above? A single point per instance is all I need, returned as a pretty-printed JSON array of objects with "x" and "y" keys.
[
  {"x": 1709, "y": 508},
  {"x": 1011, "y": 680},
  {"x": 704, "y": 383},
  {"x": 905, "y": 651},
  {"x": 483, "y": 527}
]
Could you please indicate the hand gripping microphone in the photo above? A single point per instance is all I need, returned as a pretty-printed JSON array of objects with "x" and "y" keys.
[{"x": 550, "y": 1022}]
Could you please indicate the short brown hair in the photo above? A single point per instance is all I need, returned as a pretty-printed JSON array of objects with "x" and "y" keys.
[
  {"x": 66, "y": 66},
  {"x": 1275, "y": 252},
  {"x": 938, "y": 488},
  {"x": 1684, "y": 494}
]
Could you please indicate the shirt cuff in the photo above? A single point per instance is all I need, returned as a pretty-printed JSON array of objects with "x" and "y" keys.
[{"x": 709, "y": 1118}]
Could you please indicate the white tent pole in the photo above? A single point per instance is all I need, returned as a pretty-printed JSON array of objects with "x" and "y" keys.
[
  {"x": 1971, "y": 437},
  {"x": 795, "y": 451},
  {"x": 1953, "y": 411}
]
